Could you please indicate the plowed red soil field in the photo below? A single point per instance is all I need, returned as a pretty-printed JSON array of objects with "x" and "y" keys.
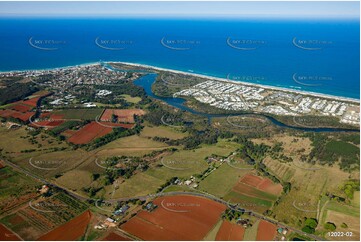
[
  {"x": 266, "y": 231},
  {"x": 230, "y": 232},
  {"x": 89, "y": 132},
  {"x": 263, "y": 184},
  {"x": 178, "y": 217},
  {"x": 115, "y": 237},
  {"x": 21, "y": 108},
  {"x": 124, "y": 115},
  {"x": 7, "y": 235},
  {"x": 70, "y": 231}
]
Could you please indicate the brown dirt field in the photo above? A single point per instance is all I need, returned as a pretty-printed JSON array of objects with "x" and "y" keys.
[
  {"x": 89, "y": 132},
  {"x": 23, "y": 116},
  {"x": 71, "y": 230},
  {"x": 21, "y": 108},
  {"x": 56, "y": 116},
  {"x": 17, "y": 219},
  {"x": 32, "y": 102},
  {"x": 115, "y": 237},
  {"x": 176, "y": 218},
  {"x": 251, "y": 180},
  {"x": 266, "y": 231},
  {"x": 230, "y": 232},
  {"x": 7, "y": 235},
  {"x": 124, "y": 115},
  {"x": 268, "y": 186}
]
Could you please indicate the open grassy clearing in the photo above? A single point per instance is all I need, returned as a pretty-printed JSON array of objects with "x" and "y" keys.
[
  {"x": 138, "y": 185},
  {"x": 221, "y": 181},
  {"x": 162, "y": 131},
  {"x": 14, "y": 141},
  {"x": 130, "y": 146},
  {"x": 251, "y": 233},
  {"x": 131, "y": 99},
  {"x": 307, "y": 186},
  {"x": 50, "y": 164}
]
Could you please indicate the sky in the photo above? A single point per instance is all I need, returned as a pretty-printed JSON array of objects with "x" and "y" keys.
[{"x": 332, "y": 9}]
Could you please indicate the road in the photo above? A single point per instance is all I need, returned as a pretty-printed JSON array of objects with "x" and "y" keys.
[{"x": 161, "y": 194}]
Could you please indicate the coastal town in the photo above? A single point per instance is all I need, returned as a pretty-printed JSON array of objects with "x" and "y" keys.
[
  {"x": 240, "y": 97},
  {"x": 67, "y": 82}
]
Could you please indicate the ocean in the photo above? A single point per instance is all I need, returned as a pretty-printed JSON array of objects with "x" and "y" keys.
[{"x": 310, "y": 55}]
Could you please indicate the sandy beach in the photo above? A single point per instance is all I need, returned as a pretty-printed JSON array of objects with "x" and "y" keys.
[{"x": 313, "y": 94}]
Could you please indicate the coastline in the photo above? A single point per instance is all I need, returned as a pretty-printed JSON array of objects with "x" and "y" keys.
[
  {"x": 314, "y": 94},
  {"x": 274, "y": 88}
]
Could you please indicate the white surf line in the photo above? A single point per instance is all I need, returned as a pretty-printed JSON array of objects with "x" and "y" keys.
[{"x": 314, "y": 94}]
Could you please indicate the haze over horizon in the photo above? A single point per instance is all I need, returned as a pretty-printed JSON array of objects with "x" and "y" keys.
[{"x": 336, "y": 10}]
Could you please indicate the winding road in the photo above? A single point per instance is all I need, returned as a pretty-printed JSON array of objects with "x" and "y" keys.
[{"x": 161, "y": 194}]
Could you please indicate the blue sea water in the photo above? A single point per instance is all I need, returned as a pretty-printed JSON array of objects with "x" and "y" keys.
[{"x": 310, "y": 55}]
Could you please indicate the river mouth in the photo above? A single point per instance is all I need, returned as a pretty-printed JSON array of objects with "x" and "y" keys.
[{"x": 149, "y": 78}]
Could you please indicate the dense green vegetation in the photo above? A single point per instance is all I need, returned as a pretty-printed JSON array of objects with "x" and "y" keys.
[
  {"x": 16, "y": 91},
  {"x": 329, "y": 151}
]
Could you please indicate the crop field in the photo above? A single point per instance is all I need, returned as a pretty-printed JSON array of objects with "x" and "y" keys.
[
  {"x": 89, "y": 132},
  {"x": 230, "y": 232},
  {"x": 176, "y": 218},
  {"x": 216, "y": 183},
  {"x": 41, "y": 215},
  {"x": 7, "y": 235},
  {"x": 67, "y": 231},
  {"x": 115, "y": 237},
  {"x": 266, "y": 231},
  {"x": 248, "y": 194},
  {"x": 80, "y": 114},
  {"x": 15, "y": 189},
  {"x": 122, "y": 115}
]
